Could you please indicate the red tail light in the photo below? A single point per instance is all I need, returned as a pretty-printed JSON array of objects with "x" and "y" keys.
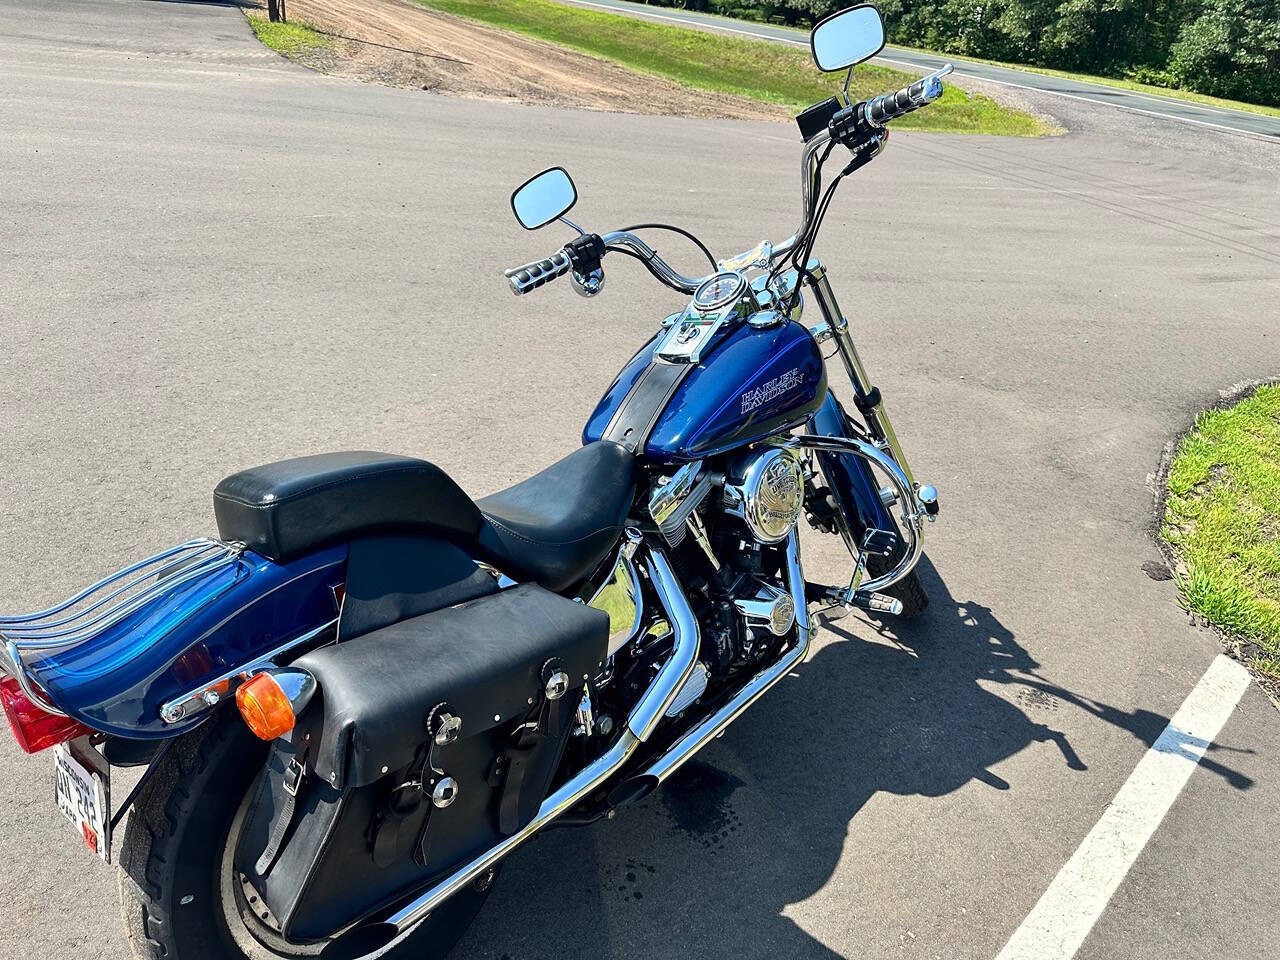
[{"x": 34, "y": 729}]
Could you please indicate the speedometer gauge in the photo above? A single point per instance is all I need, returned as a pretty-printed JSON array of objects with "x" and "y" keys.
[{"x": 717, "y": 291}]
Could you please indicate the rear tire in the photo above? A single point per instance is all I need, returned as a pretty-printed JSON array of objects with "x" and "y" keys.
[{"x": 174, "y": 866}]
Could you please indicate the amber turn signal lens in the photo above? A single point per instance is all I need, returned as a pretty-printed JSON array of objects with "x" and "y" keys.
[{"x": 265, "y": 707}]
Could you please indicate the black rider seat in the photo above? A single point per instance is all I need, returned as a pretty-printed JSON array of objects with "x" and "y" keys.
[
  {"x": 557, "y": 525},
  {"x": 552, "y": 528}
]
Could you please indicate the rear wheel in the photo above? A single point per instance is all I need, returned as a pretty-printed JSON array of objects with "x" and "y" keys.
[{"x": 180, "y": 896}]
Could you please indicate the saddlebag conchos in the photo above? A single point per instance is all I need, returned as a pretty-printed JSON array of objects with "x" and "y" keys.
[{"x": 428, "y": 742}]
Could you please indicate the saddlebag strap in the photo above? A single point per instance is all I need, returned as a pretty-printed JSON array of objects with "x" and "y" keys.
[
  {"x": 400, "y": 805},
  {"x": 517, "y": 768},
  {"x": 294, "y": 774},
  {"x": 524, "y": 786},
  {"x": 422, "y": 846}
]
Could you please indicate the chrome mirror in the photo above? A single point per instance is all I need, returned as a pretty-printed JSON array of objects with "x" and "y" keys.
[
  {"x": 543, "y": 198},
  {"x": 847, "y": 37}
]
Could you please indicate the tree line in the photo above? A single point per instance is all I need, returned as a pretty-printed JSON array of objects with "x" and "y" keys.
[{"x": 1226, "y": 48}]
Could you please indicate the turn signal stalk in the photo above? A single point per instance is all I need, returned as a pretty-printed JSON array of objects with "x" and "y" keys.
[{"x": 270, "y": 701}]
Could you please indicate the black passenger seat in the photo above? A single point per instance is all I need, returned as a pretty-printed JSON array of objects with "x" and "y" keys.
[{"x": 552, "y": 528}]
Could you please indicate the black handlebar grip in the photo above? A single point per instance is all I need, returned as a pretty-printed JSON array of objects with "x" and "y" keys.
[
  {"x": 889, "y": 106},
  {"x": 533, "y": 275}
]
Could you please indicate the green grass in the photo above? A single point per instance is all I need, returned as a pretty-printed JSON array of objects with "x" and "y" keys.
[
  {"x": 1134, "y": 85},
  {"x": 1223, "y": 520},
  {"x": 764, "y": 71},
  {"x": 292, "y": 39}
]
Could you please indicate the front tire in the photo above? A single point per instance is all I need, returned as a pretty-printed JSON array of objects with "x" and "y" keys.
[
  {"x": 177, "y": 889},
  {"x": 909, "y": 590}
]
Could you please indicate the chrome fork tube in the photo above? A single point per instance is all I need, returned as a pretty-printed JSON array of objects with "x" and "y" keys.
[{"x": 877, "y": 417}]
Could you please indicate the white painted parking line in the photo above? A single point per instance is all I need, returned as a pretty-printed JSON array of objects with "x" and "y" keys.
[{"x": 1059, "y": 923}]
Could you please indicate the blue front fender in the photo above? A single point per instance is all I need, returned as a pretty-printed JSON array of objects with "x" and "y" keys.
[{"x": 852, "y": 483}]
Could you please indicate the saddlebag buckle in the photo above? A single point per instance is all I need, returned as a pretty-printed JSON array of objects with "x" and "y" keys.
[{"x": 294, "y": 774}]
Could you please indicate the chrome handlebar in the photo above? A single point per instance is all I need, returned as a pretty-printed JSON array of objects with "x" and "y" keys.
[
  {"x": 657, "y": 266},
  {"x": 808, "y": 186},
  {"x": 530, "y": 276},
  {"x": 878, "y": 111}
]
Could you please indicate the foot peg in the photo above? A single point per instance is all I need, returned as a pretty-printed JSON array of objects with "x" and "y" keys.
[
  {"x": 840, "y": 597},
  {"x": 877, "y": 602},
  {"x": 928, "y": 498}
]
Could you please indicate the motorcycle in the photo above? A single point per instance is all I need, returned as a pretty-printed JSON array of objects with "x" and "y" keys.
[{"x": 369, "y": 689}]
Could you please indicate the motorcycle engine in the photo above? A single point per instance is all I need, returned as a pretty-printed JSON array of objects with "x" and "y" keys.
[
  {"x": 726, "y": 528},
  {"x": 732, "y": 559}
]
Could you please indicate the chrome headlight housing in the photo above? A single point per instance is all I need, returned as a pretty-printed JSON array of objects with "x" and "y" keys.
[{"x": 766, "y": 492}]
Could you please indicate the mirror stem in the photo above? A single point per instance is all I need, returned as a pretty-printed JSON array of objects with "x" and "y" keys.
[
  {"x": 581, "y": 232},
  {"x": 847, "y": 78}
]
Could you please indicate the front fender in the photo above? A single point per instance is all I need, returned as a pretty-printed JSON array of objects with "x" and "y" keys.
[
  {"x": 186, "y": 637},
  {"x": 856, "y": 492}
]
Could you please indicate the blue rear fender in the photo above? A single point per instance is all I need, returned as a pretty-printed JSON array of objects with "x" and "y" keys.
[{"x": 187, "y": 638}]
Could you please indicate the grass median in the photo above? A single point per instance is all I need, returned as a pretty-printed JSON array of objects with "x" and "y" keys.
[
  {"x": 294, "y": 39},
  {"x": 1222, "y": 519},
  {"x": 768, "y": 72}
]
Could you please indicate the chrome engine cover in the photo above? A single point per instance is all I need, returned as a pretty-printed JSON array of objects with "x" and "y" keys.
[{"x": 766, "y": 492}]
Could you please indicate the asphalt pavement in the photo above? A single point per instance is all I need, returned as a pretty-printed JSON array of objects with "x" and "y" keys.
[
  {"x": 211, "y": 258},
  {"x": 1168, "y": 108}
]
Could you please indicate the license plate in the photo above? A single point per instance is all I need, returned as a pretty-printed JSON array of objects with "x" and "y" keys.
[{"x": 82, "y": 789}]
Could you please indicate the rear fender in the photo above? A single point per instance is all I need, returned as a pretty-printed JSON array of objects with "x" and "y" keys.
[{"x": 115, "y": 675}]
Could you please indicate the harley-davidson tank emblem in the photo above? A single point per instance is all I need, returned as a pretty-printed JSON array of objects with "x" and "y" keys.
[{"x": 771, "y": 389}]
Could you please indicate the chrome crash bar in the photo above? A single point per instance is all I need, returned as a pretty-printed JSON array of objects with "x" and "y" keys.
[
  {"x": 644, "y": 718},
  {"x": 916, "y": 508}
]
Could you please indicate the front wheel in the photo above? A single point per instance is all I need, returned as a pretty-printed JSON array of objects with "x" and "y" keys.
[
  {"x": 909, "y": 590},
  {"x": 180, "y": 896}
]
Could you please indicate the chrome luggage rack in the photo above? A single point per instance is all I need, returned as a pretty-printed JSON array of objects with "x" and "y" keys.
[{"x": 99, "y": 607}]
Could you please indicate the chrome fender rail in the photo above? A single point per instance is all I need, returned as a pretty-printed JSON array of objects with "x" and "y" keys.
[{"x": 97, "y": 608}]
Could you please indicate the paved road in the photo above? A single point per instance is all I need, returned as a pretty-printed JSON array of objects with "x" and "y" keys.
[
  {"x": 210, "y": 258},
  {"x": 1203, "y": 115}
]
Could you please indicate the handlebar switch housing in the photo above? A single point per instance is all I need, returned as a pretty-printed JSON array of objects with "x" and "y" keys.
[
  {"x": 852, "y": 127},
  {"x": 816, "y": 118},
  {"x": 585, "y": 252}
]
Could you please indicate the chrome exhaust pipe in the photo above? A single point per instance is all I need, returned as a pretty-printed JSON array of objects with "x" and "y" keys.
[
  {"x": 697, "y": 738},
  {"x": 640, "y": 725},
  {"x": 648, "y": 713}
]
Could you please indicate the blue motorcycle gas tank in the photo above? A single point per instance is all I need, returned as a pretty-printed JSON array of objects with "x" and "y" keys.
[{"x": 751, "y": 384}]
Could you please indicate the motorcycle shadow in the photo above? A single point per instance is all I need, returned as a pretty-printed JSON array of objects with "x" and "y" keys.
[{"x": 720, "y": 860}]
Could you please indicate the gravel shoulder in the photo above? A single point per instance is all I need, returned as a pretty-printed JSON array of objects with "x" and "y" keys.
[{"x": 401, "y": 44}]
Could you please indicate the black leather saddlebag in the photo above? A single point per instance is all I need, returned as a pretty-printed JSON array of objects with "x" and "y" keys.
[{"x": 428, "y": 742}]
